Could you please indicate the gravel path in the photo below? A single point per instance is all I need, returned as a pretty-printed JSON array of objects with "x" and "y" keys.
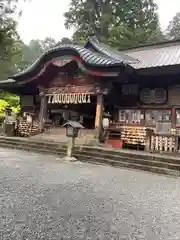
[{"x": 43, "y": 198}]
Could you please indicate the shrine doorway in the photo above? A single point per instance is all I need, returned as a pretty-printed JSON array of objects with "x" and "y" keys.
[{"x": 83, "y": 113}]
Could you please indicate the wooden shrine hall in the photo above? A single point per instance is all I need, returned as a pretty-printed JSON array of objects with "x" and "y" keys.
[{"x": 138, "y": 87}]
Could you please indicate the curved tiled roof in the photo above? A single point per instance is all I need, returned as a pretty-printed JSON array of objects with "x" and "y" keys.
[
  {"x": 85, "y": 55},
  {"x": 110, "y": 52}
]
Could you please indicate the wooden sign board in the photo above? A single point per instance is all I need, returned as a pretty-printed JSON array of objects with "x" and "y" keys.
[{"x": 174, "y": 96}]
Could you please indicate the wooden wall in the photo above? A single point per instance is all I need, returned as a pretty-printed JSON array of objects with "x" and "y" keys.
[{"x": 147, "y": 100}]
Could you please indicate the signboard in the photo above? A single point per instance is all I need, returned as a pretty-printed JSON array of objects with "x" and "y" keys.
[
  {"x": 69, "y": 98},
  {"x": 173, "y": 95},
  {"x": 153, "y": 96}
]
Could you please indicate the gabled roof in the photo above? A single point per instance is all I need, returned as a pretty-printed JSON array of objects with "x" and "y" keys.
[{"x": 73, "y": 124}]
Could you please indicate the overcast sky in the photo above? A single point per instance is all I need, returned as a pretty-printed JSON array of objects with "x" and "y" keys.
[{"x": 42, "y": 18}]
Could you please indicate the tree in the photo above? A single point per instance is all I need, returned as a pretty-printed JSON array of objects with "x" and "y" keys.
[
  {"x": 36, "y": 48},
  {"x": 173, "y": 30},
  {"x": 40, "y": 46},
  {"x": 47, "y": 44},
  {"x": 10, "y": 52},
  {"x": 30, "y": 53},
  {"x": 113, "y": 20},
  {"x": 65, "y": 40},
  {"x": 89, "y": 17},
  {"x": 123, "y": 37},
  {"x": 8, "y": 47},
  {"x": 8, "y": 38}
]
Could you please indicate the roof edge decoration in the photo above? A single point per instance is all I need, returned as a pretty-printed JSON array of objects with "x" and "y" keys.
[{"x": 85, "y": 57}]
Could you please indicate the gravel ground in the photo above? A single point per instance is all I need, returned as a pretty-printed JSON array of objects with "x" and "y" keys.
[{"x": 43, "y": 198}]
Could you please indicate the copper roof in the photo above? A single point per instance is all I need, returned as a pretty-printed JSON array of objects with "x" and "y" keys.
[
  {"x": 166, "y": 54},
  {"x": 161, "y": 54}
]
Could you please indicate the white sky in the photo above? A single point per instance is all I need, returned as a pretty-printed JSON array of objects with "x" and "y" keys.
[{"x": 42, "y": 18}]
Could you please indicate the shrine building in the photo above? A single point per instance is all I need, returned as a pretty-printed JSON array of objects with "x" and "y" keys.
[{"x": 138, "y": 87}]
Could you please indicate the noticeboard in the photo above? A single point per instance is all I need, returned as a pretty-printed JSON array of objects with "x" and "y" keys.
[{"x": 70, "y": 131}]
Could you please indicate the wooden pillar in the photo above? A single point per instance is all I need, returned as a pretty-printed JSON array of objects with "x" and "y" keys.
[
  {"x": 43, "y": 109},
  {"x": 173, "y": 117},
  {"x": 99, "y": 113}
]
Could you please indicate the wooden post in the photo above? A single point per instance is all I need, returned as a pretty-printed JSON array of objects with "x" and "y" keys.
[
  {"x": 43, "y": 109},
  {"x": 99, "y": 113},
  {"x": 148, "y": 143},
  {"x": 70, "y": 146},
  {"x": 173, "y": 117}
]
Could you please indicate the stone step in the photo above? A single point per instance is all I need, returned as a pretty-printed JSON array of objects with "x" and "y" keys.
[
  {"x": 127, "y": 159},
  {"x": 99, "y": 155},
  {"x": 34, "y": 148}
]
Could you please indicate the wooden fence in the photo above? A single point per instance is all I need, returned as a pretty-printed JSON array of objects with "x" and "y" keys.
[{"x": 162, "y": 143}]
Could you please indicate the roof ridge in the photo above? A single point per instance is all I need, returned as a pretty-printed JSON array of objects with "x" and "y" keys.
[
  {"x": 160, "y": 43},
  {"x": 109, "y": 51}
]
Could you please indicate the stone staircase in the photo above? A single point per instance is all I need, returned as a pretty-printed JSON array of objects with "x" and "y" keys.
[{"x": 155, "y": 163}]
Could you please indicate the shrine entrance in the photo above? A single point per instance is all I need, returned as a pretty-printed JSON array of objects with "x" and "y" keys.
[{"x": 74, "y": 107}]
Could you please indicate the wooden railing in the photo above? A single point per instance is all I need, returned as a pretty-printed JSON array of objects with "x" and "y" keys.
[{"x": 162, "y": 143}]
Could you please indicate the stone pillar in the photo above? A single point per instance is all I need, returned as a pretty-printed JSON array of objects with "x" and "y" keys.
[
  {"x": 99, "y": 113},
  {"x": 43, "y": 109}
]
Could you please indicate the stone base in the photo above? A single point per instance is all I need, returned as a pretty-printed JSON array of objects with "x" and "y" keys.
[{"x": 69, "y": 159}]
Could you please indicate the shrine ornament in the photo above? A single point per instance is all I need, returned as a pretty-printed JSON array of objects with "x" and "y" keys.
[{"x": 73, "y": 98}]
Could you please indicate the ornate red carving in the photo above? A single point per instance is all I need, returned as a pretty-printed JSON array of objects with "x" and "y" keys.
[{"x": 91, "y": 89}]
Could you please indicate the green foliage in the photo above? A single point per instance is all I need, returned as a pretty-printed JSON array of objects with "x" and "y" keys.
[
  {"x": 120, "y": 23},
  {"x": 10, "y": 52},
  {"x": 47, "y": 44},
  {"x": 65, "y": 41},
  {"x": 9, "y": 100},
  {"x": 173, "y": 30},
  {"x": 8, "y": 48},
  {"x": 123, "y": 37},
  {"x": 3, "y": 105}
]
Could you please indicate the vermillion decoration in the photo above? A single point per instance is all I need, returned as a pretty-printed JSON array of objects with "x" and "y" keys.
[{"x": 69, "y": 98}]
